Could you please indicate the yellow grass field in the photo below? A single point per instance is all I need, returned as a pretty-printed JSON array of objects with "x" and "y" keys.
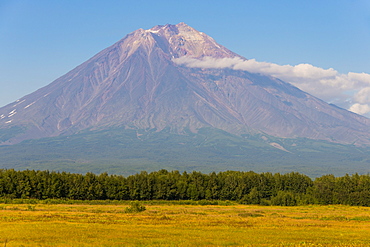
[{"x": 183, "y": 225}]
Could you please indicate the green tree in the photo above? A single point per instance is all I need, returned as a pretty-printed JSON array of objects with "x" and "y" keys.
[{"x": 284, "y": 198}]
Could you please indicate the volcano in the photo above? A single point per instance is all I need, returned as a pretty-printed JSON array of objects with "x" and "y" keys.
[{"x": 137, "y": 84}]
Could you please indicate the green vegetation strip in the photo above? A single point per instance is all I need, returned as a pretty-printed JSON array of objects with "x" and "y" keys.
[{"x": 289, "y": 189}]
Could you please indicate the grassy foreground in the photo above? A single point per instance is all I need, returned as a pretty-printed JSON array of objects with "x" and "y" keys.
[{"x": 183, "y": 225}]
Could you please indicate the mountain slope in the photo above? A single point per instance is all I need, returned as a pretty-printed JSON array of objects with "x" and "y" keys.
[
  {"x": 135, "y": 84},
  {"x": 127, "y": 152}
]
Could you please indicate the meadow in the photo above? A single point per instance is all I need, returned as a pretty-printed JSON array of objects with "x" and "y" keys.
[{"x": 179, "y": 224}]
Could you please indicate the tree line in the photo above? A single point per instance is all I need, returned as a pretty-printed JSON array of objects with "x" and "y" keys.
[{"x": 244, "y": 187}]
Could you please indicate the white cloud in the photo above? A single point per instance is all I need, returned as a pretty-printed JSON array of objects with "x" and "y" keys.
[
  {"x": 363, "y": 96},
  {"x": 351, "y": 91},
  {"x": 360, "y": 109}
]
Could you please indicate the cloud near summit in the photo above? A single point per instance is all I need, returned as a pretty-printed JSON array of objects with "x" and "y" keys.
[{"x": 350, "y": 91}]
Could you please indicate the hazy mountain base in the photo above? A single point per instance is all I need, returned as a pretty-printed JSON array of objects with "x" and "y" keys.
[{"x": 128, "y": 151}]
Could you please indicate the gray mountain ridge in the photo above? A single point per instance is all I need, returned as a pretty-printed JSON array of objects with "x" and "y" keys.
[{"x": 135, "y": 84}]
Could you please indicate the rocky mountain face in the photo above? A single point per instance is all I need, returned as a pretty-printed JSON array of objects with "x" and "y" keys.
[{"x": 136, "y": 84}]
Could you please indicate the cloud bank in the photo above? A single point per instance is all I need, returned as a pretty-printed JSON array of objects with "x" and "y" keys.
[{"x": 350, "y": 91}]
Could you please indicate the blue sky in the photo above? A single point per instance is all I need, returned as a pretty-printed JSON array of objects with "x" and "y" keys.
[{"x": 41, "y": 40}]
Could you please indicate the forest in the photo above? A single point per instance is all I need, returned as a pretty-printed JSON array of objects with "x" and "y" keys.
[{"x": 288, "y": 189}]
